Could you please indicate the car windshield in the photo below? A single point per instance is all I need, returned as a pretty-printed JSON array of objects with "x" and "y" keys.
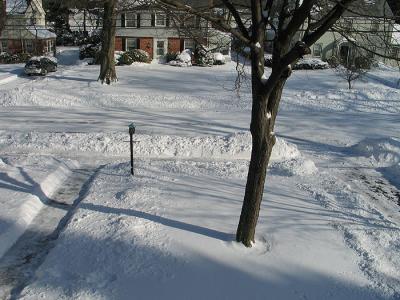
[{"x": 33, "y": 63}]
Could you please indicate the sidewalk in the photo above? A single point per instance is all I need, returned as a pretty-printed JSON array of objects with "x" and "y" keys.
[{"x": 26, "y": 184}]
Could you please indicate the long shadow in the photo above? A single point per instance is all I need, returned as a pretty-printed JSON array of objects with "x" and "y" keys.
[
  {"x": 71, "y": 78},
  {"x": 312, "y": 145},
  {"x": 126, "y": 270},
  {"x": 21, "y": 261},
  {"x": 31, "y": 187},
  {"x": 219, "y": 235}
]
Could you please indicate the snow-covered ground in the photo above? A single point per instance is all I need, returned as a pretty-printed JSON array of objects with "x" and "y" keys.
[{"x": 329, "y": 225}]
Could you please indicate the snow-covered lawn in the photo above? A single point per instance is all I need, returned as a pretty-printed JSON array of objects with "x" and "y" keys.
[{"x": 329, "y": 226}]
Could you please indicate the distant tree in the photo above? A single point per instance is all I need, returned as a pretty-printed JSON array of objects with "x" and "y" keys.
[
  {"x": 352, "y": 68},
  {"x": 107, "y": 64}
]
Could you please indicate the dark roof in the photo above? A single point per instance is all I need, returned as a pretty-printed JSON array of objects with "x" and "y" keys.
[
  {"x": 369, "y": 8},
  {"x": 395, "y": 7}
]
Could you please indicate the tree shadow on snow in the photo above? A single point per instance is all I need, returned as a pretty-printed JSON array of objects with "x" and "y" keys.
[
  {"x": 160, "y": 220},
  {"x": 82, "y": 265}
]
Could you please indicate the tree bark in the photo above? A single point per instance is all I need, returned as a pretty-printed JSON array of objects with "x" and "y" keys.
[
  {"x": 107, "y": 64},
  {"x": 264, "y": 111}
]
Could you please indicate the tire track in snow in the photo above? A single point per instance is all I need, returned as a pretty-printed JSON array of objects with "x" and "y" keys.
[{"x": 365, "y": 216}]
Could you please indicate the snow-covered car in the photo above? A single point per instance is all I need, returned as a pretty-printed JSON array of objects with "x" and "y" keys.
[{"x": 40, "y": 65}]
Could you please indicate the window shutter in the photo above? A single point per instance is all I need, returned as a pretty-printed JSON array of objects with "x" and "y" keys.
[
  {"x": 122, "y": 20},
  {"x": 123, "y": 44},
  {"x": 153, "y": 20},
  {"x": 138, "y": 43},
  {"x": 138, "y": 20},
  {"x": 167, "y": 21}
]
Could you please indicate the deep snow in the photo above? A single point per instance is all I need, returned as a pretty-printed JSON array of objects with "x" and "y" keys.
[{"x": 329, "y": 224}]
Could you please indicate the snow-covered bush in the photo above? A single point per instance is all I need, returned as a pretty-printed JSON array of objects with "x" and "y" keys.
[
  {"x": 136, "y": 55},
  {"x": 219, "y": 58},
  {"x": 170, "y": 56},
  {"x": 90, "y": 51},
  {"x": 203, "y": 58},
  {"x": 6, "y": 58},
  {"x": 302, "y": 64},
  {"x": 125, "y": 59},
  {"x": 333, "y": 61},
  {"x": 310, "y": 64},
  {"x": 139, "y": 55},
  {"x": 183, "y": 59}
]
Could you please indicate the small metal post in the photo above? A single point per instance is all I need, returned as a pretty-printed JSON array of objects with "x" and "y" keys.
[{"x": 131, "y": 133}]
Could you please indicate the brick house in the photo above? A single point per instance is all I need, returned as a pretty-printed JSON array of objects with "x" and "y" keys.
[
  {"x": 154, "y": 32},
  {"x": 23, "y": 28}
]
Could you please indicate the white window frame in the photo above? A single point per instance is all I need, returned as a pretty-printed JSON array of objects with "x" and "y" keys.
[
  {"x": 126, "y": 43},
  {"x": 185, "y": 41},
  {"x": 319, "y": 45},
  {"x": 49, "y": 46},
  {"x": 26, "y": 46},
  {"x": 156, "y": 19},
  {"x": 126, "y": 19},
  {"x": 3, "y": 46},
  {"x": 155, "y": 48},
  {"x": 163, "y": 48}
]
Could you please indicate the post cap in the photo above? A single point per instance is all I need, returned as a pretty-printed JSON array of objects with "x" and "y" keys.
[{"x": 132, "y": 128}]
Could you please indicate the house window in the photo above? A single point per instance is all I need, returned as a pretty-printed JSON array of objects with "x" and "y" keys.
[
  {"x": 189, "y": 44},
  {"x": 160, "y": 48},
  {"x": 161, "y": 20},
  {"x": 395, "y": 52},
  {"x": 130, "y": 20},
  {"x": 131, "y": 44},
  {"x": 190, "y": 22},
  {"x": 347, "y": 24},
  {"x": 374, "y": 26},
  {"x": 29, "y": 46},
  {"x": 49, "y": 46},
  {"x": 317, "y": 50},
  {"x": 3, "y": 46}
]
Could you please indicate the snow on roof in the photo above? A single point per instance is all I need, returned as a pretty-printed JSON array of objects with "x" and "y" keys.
[
  {"x": 16, "y": 6},
  {"x": 42, "y": 32}
]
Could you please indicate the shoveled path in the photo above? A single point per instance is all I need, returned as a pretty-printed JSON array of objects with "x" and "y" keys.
[{"x": 18, "y": 265}]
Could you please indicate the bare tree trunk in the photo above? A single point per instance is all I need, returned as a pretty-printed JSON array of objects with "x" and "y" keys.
[
  {"x": 107, "y": 68},
  {"x": 264, "y": 111}
]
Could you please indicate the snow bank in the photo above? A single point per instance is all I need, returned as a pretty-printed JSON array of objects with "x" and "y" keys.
[
  {"x": 27, "y": 184},
  {"x": 287, "y": 158},
  {"x": 382, "y": 151}
]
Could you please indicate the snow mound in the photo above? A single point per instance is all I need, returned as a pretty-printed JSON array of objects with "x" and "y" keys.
[
  {"x": 382, "y": 151},
  {"x": 299, "y": 166},
  {"x": 287, "y": 158},
  {"x": 183, "y": 59}
]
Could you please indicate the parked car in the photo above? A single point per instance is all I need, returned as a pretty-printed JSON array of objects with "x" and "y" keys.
[{"x": 40, "y": 65}]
